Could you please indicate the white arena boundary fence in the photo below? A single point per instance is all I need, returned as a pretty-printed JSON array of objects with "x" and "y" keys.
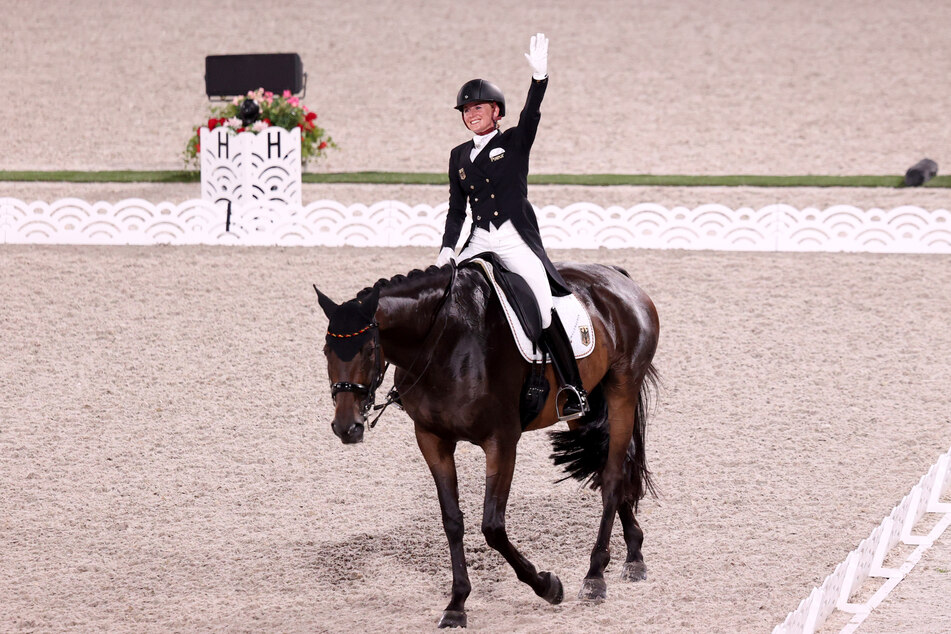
[
  {"x": 389, "y": 223},
  {"x": 865, "y": 565}
]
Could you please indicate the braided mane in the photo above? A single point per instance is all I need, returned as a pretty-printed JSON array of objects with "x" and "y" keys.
[{"x": 399, "y": 279}]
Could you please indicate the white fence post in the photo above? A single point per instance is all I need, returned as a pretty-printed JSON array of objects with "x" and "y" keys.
[{"x": 868, "y": 559}]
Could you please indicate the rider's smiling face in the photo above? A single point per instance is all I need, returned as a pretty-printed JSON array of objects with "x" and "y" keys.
[{"x": 480, "y": 116}]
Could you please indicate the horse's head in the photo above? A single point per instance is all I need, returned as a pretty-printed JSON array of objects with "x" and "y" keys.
[{"x": 354, "y": 361}]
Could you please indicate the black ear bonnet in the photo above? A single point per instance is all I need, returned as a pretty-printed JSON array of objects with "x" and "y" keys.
[{"x": 351, "y": 326}]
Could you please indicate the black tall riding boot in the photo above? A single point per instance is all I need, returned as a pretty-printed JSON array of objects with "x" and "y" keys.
[{"x": 558, "y": 345}]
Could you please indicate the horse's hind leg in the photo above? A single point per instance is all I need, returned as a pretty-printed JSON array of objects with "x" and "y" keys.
[
  {"x": 621, "y": 425},
  {"x": 634, "y": 567},
  {"x": 500, "y": 467}
]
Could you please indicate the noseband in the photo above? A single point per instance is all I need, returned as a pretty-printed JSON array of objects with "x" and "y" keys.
[{"x": 368, "y": 391}]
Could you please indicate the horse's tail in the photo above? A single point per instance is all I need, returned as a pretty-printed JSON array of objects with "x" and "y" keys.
[{"x": 584, "y": 450}]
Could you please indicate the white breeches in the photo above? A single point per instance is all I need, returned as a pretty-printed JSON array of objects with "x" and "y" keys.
[{"x": 505, "y": 242}]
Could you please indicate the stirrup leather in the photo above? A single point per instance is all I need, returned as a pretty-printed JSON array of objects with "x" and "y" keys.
[{"x": 582, "y": 399}]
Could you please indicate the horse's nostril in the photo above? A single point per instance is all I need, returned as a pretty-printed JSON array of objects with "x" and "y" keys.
[{"x": 352, "y": 433}]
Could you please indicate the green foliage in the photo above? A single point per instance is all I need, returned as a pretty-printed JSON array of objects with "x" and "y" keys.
[{"x": 282, "y": 111}]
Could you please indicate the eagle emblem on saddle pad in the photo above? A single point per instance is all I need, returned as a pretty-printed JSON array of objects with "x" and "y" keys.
[{"x": 585, "y": 335}]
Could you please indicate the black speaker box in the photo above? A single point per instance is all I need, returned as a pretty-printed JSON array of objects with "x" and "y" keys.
[{"x": 234, "y": 75}]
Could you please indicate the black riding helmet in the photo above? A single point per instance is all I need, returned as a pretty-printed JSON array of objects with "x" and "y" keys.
[{"x": 480, "y": 90}]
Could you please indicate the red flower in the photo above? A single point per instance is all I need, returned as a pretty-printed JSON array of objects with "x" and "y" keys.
[
  {"x": 311, "y": 116},
  {"x": 267, "y": 121},
  {"x": 198, "y": 147},
  {"x": 322, "y": 145},
  {"x": 212, "y": 123}
]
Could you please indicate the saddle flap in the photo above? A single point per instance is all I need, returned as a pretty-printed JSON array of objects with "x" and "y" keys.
[
  {"x": 571, "y": 311},
  {"x": 513, "y": 288}
]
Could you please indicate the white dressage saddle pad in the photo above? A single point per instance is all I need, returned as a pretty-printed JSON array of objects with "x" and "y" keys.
[{"x": 572, "y": 313}]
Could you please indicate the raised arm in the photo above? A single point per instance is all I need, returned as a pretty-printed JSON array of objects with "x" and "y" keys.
[
  {"x": 528, "y": 119},
  {"x": 537, "y": 56}
]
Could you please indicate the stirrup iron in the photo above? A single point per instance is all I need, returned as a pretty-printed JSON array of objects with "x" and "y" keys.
[{"x": 581, "y": 397}]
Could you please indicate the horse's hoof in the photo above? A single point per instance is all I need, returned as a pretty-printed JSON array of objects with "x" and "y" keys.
[
  {"x": 555, "y": 592},
  {"x": 452, "y": 618},
  {"x": 634, "y": 571},
  {"x": 593, "y": 590}
]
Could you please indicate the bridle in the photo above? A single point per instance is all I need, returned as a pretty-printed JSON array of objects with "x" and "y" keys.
[{"x": 369, "y": 391}]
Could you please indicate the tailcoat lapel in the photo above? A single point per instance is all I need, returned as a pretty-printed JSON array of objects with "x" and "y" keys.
[
  {"x": 467, "y": 152},
  {"x": 483, "y": 159}
]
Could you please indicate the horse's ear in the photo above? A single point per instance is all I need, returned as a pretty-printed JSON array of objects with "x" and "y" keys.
[{"x": 326, "y": 303}]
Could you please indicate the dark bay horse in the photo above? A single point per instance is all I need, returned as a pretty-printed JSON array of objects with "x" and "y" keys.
[{"x": 459, "y": 377}]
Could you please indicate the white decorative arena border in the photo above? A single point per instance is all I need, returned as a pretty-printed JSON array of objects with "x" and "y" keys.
[
  {"x": 866, "y": 561},
  {"x": 779, "y": 227}
]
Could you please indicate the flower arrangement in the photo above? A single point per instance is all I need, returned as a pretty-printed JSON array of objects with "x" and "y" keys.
[{"x": 259, "y": 110}]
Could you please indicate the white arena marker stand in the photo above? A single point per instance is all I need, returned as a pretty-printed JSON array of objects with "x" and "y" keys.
[{"x": 867, "y": 560}]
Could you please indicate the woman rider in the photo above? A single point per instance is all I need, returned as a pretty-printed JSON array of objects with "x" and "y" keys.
[{"x": 490, "y": 172}]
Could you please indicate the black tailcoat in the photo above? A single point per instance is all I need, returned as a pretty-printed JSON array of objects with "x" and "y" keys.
[{"x": 496, "y": 184}]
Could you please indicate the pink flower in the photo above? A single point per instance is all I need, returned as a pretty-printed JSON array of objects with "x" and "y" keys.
[
  {"x": 294, "y": 101},
  {"x": 286, "y": 94}
]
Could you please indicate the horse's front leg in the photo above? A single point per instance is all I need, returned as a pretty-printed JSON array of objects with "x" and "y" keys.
[
  {"x": 500, "y": 467},
  {"x": 438, "y": 454}
]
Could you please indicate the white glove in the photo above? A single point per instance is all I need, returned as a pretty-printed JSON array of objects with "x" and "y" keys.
[
  {"x": 445, "y": 256},
  {"x": 537, "y": 56}
]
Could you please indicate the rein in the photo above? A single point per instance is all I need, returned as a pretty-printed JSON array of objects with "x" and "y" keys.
[{"x": 393, "y": 396}]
